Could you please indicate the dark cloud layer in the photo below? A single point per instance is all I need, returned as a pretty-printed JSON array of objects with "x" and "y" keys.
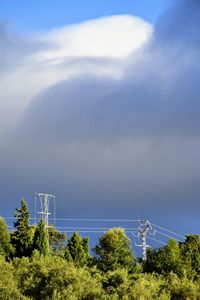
[{"x": 120, "y": 147}]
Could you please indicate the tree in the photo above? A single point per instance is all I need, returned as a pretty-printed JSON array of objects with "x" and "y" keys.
[
  {"x": 77, "y": 250},
  {"x": 114, "y": 251},
  {"x": 57, "y": 240},
  {"x": 165, "y": 259},
  {"x": 40, "y": 240},
  {"x": 190, "y": 251},
  {"x": 21, "y": 237},
  {"x": 6, "y": 248}
]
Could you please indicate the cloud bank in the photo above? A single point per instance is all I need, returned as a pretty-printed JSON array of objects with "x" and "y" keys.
[{"x": 111, "y": 129}]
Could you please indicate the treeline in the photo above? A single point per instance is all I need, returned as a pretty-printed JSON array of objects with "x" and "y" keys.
[{"x": 36, "y": 266}]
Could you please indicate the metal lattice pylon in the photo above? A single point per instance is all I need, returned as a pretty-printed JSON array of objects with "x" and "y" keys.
[
  {"x": 142, "y": 232},
  {"x": 44, "y": 204}
]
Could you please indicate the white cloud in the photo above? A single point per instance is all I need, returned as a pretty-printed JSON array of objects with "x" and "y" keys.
[{"x": 115, "y": 36}]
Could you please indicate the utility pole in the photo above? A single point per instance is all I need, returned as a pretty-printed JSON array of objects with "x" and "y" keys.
[{"x": 142, "y": 231}]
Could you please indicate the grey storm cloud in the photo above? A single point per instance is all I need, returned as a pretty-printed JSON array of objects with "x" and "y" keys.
[
  {"x": 104, "y": 144},
  {"x": 180, "y": 25}
]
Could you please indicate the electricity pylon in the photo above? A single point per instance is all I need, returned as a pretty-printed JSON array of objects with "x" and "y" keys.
[
  {"x": 44, "y": 204},
  {"x": 142, "y": 231}
]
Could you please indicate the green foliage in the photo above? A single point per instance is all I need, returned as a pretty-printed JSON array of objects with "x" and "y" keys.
[
  {"x": 116, "y": 283},
  {"x": 148, "y": 287},
  {"x": 57, "y": 240},
  {"x": 182, "y": 259},
  {"x": 6, "y": 248},
  {"x": 54, "y": 278},
  {"x": 77, "y": 250},
  {"x": 190, "y": 251},
  {"x": 164, "y": 260},
  {"x": 170, "y": 272},
  {"x": 8, "y": 283},
  {"x": 21, "y": 238},
  {"x": 182, "y": 288},
  {"x": 114, "y": 251},
  {"x": 40, "y": 240}
]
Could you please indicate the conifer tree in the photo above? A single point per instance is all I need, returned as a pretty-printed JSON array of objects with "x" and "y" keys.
[
  {"x": 40, "y": 240},
  {"x": 21, "y": 237},
  {"x": 77, "y": 250}
]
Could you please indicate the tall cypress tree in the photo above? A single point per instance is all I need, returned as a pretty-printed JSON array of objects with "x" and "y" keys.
[
  {"x": 21, "y": 237},
  {"x": 40, "y": 240},
  {"x": 77, "y": 250}
]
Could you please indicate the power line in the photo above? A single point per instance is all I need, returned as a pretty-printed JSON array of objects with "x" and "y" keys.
[
  {"x": 89, "y": 231},
  {"x": 109, "y": 220},
  {"x": 100, "y": 229},
  {"x": 86, "y": 228},
  {"x": 96, "y": 220},
  {"x": 164, "y": 234},
  {"x": 153, "y": 239},
  {"x": 177, "y": 234},
  {"x": 92, "y": 228},
  {"x": 79, "y": 219}
]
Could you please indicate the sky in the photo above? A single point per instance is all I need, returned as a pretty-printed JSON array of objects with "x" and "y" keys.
[
  {"x": 43, "y": 15},
  {"x": 99, "y": 105}
]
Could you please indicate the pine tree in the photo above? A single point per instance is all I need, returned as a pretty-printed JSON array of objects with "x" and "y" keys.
[
  {"x": 21, "y": 237},
  {"x": 77, "y": 250},
  {"x": 40, "y": 240}
]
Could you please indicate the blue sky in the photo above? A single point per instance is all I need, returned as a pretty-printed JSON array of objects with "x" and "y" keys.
[{"x": 42, "y": 15}]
